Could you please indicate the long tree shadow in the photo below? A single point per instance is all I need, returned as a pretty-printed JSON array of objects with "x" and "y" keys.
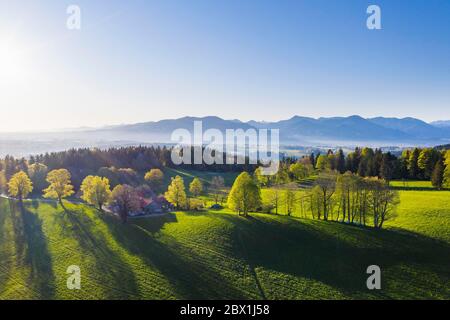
[
  {"x": 6, "y": 254},
  {"x": 338, "y": 255},
  {"x": 189, "y": 278},
  {"x": 335, "y": 254},
  {"x": 32, "y": 250},
  {"x": 110, "y": 269}
]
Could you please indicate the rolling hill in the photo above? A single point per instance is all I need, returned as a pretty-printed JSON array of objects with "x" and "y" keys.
[{"x": 218, "y": 255}]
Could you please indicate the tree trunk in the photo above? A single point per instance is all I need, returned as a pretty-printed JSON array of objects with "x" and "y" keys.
[
  {"x": 124, "y": 216},
  {"x": 61, "y": 203}
]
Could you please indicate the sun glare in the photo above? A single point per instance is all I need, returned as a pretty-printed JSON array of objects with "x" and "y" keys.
[{"x": 12, "y": 62}]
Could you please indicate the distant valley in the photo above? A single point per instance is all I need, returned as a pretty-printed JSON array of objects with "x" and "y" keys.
[{"x": 296, "y": 131}]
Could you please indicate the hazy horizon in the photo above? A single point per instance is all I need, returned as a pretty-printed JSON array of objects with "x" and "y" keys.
[
  {"x": 256, "y": 60},
  {"x": 75, "y": 128}
]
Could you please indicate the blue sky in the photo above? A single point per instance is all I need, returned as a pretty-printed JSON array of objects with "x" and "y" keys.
[{"x": 135, "y": 61}]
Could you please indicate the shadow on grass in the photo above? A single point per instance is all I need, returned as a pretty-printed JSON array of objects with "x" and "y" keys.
[
  {"x": 188, "y": 276},
  {"x": 338, "y": 255},
  {"x": 110, "y": 270},
  {"x": 6, "y": 252},
  {"x": 153, "y": 224},
  {"x": 32, "y": 250}
]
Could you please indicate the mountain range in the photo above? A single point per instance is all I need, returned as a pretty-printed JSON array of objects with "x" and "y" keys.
[
  {"x": 441, "y": 123},
  {"x": 300, "y": 130},
  {"x": 296, "y": 131}
]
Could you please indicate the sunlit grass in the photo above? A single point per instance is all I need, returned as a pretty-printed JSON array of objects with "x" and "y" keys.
[
  {"x": 218, "y": 255},
  {"x": 424, "y": 212},
  {"x": 204, "y": 176}
]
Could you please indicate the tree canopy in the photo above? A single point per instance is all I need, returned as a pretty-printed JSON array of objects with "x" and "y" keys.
[
  {"x": 446, "y": 177},
  {"x": 20, "y": 185},
  {"x": 176, "y": 193},
  {"x": 96, "y": 191},
  {"x": 245, "y": 195},
  {"x": 60, "y": 185},
  {"x": 126, "y": 199},
  {"x": 196, "y": 187},
  {"x": 216, "y": 188},
  {"x": 154, "y": 177}
]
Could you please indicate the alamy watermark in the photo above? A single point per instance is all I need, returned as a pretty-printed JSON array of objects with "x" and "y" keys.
[
  {"x": 73, "y": 21},
  {"x": 256, "y": 146},
  {"x": 374, "y": 20},
  {"x": 374, "y": 280},
  {"x": 74, "y": 280}
]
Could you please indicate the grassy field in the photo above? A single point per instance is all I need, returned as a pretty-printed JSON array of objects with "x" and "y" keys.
[
  {"x": 218, "y": 255},
  {"x": 424, "y": 212},
  {"x": 412, "y": 185},
  {"x": 204, "y": 176}
]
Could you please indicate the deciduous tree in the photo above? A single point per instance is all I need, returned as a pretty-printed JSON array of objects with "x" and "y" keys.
[
  {"x": 126, "y": 199},
  {"x": 196, "y": 187},
  {"x": 245, "y": 195},
  {"x": 347, "y": 195},
  {"x": 176, "y": 193},
  {"x": 273, "y": 197},
  {"x": 323, "y": 163},
  {"x": 216, "y": 187},
  {"x": 3, "y": 182},
  {"x": 262, "y": 179},
  {"x": 96, "y": 191},
  {"x": 20, "y": 186},
  {"x": 299, "y": 171},
  {"x": 447, "y": 169},
  {"x": 289, "y": 201},
  {"x": 155, "y": 178},
  {"x": 383, "y": 201},
  {"x": 60, "y": 185},
  {"x": 326, "y": 184}
]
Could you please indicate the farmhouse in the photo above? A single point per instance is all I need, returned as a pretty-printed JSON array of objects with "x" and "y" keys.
[
  {"x": 149, "y": 206},
  {"x": 157, "y": 205}
]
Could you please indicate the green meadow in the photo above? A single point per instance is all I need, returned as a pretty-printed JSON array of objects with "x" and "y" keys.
[
  {"x": 219, "y": 255},
  {"x": 204, "y": 176}
]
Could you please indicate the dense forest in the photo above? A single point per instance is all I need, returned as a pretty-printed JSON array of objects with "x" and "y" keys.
[
  {"x": 412, "y": 164},
  {"x": 120, "y": 165},
  {"x": 123, "y": 165}
]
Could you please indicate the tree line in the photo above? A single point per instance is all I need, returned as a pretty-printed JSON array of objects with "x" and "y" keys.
[
  {"x": 413, "y": 164},
  {"x": 353, "y": 199},
  {"x": 352, "y": 189},
  {"x": 120, "y": 165},
  {"x": 346, "y": 197},
  {"x": 97, "y": 190},
  {"x": 361, "y": 194}
]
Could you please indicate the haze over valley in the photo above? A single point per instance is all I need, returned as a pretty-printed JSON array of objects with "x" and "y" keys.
[{"x": 296, "y": 131}]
